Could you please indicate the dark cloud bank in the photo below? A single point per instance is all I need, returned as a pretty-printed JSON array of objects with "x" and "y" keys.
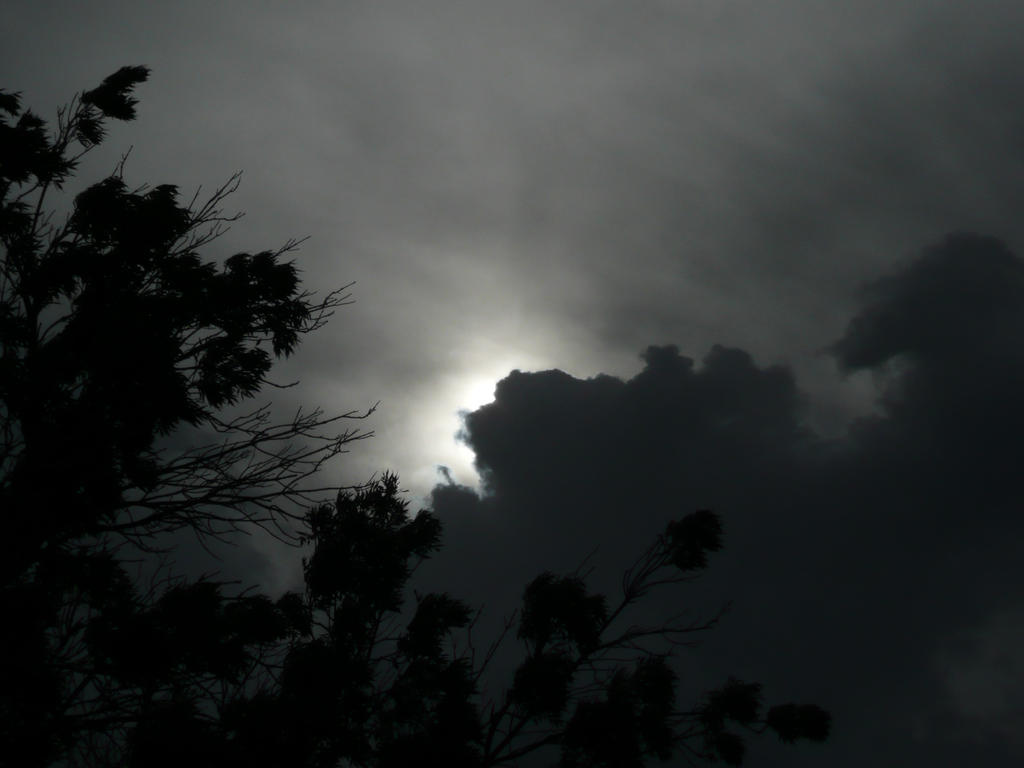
[{"x": 877, "y": 573}]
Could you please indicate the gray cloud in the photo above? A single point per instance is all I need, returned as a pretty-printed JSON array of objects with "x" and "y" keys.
[{"x": 537, "y": 185}]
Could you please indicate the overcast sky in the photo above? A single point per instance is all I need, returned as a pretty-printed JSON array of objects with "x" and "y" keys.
[{"x": 717, "y": 239}]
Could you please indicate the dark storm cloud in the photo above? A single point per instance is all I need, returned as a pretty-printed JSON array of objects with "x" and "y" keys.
[
  {"x": 877, "y": 574},
  {"x": 944, "y": 339}
]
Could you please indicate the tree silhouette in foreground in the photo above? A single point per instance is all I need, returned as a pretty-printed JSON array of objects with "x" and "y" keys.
[
  {"x": 116, "y": 333},
  {"x": 361, "y": 682}
]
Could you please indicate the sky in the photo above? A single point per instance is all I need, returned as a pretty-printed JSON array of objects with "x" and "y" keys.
[{"x": 760, "y": 257}]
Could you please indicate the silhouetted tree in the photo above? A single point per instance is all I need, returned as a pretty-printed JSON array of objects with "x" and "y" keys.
[
  {"x": 362, "y": 682},
  {"x": 115, "y": 333}
]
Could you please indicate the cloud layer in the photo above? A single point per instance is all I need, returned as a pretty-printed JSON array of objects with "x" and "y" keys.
[{"x": 536, "y": 184}]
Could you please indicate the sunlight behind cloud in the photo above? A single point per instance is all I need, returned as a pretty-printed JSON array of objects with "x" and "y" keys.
[
  {"x": 477, "y": 390},
  {"x": 459, "y": 393}
]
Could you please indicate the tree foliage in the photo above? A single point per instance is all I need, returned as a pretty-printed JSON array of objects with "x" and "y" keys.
[{"x": 115, "y": 332}]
